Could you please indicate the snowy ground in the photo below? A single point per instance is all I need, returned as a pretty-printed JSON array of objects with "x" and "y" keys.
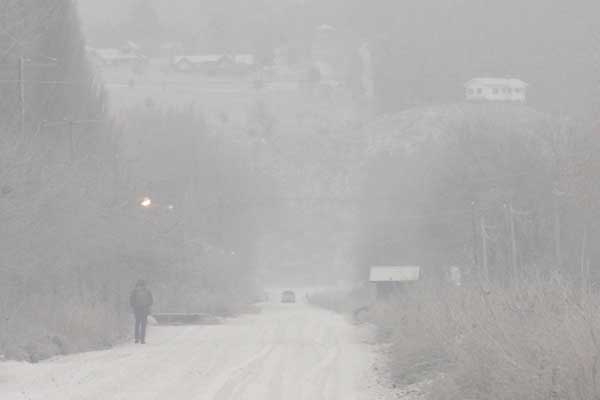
[{"x": 287, "y": 352}]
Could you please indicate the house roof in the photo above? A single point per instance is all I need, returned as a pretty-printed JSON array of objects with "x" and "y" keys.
[
  {"x": 325, "y": 27},
  {"x": 325, "y": 69},
  {"x": 512, "y": 82},
  {"x": 199, "y": 59},
  {"x": 133, "y": 45},
  {"x": 394, "y": 273},
  {"x": 248, "y": 59},
  {"x": 113, "y": 54}
]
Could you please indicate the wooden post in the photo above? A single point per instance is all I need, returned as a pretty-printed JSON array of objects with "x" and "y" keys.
[{"x": 553, "y": 390}]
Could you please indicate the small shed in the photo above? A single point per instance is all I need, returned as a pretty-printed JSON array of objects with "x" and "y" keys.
[{"x": 392, "y": 279}]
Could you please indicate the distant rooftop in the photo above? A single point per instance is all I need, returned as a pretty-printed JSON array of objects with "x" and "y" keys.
[
  {"x": 199, "y": 59},
  {"x": 248, "y": 59},
  {"x": 497, "y": 90},
  {"x": 513, "y": 82},
  {"x": 325, "y": 27},
  {"x": 394, "y": 273}
]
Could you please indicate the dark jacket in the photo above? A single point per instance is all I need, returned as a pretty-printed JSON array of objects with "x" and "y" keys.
[{"x": 141, "y": 300}]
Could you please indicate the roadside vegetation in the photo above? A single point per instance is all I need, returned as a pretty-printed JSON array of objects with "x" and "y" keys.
[
  {"x": 343, "y": 301},
  {"x": 534, "y": 342},
  {"x": 89, "y": 203},
  {"x": 507, "y": 194},
  {"x": 537, "y": 341}
]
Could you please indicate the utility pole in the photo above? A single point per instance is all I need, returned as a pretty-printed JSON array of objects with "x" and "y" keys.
[
  {"x": 474, "y": 238},
  {"x": 513, "y": 244},
  {"x": 21, "y": 79},
  {"x": 557, "y": 230},
  {"x": 70, "y": 123},
  {"x": 71, "y": 143},
  {"x": 220, "y": 163},
  {"x": 584, "y": 262},
  {"x": 484, "y": 251}
]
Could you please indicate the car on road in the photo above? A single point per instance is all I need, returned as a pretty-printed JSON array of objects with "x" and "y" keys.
[{"x": 288, "y": 296}]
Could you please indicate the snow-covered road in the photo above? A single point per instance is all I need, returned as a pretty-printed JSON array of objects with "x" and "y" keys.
[{"x": 287, "y": 352}]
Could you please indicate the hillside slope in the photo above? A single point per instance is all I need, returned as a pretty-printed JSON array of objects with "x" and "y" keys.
[{"x": 434, "y": 174}]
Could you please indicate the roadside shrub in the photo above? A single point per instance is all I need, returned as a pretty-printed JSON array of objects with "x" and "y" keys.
[
  {"x": 70, "y": 328},
  {"x": 535, "y": 342},
  {"x": 341, "y": 301}
]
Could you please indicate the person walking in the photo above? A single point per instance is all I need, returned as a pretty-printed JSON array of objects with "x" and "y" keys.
[{"x": 141, "y": 300}]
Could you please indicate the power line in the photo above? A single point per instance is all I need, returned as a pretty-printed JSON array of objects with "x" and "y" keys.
[{"x": 158, "y": 84}]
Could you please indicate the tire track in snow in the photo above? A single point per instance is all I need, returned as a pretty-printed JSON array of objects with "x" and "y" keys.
[
  {"x": 313, "y": 382},
  {"x": 286, "y": 353},
  {"x": 226, "y": 385}
]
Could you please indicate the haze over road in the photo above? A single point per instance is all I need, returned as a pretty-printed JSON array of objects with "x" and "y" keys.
[{"x": 287, "y": 352}]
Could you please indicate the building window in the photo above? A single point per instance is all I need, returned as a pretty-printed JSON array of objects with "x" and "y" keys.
[
  {"x": 496, "y": 91},
  {"x": 479, "y": 91},
  {"x": 470, "y": 91}
]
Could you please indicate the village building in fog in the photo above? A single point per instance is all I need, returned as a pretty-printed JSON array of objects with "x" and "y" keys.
[
  {"x": 214, "y": 63},
  {"x": 496, "y": 89},
  {"x": 299, "y": 199},
  {"x": 128, "y": 54}
]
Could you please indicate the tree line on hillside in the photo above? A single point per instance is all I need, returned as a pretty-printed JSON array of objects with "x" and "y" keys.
[
  {"x": 506, "y": 193},
  {"x": 509, "y": 195},
  {"x": 76, "y": 231},
  {"x": 45, "y": 79}
]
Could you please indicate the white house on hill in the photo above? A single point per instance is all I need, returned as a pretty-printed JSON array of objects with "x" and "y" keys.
[{"x": 496, "y": 89}]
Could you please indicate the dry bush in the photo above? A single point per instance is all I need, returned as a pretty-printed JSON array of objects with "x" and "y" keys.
[
  {"x": 418, "y": 327},
  {"x": 37, "y": 332},
  {"x": 341, "y": 301},
  {"x": 536, "y": 342}
]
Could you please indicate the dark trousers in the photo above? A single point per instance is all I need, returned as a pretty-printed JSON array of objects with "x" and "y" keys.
[{"x": 141, "y": 320}]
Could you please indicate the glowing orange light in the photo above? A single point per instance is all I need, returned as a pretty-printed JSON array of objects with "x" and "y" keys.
[{"x": 146, "y": 202}]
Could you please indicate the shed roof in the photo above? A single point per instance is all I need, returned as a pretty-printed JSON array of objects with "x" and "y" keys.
[{"x": 394, "y": 273}]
